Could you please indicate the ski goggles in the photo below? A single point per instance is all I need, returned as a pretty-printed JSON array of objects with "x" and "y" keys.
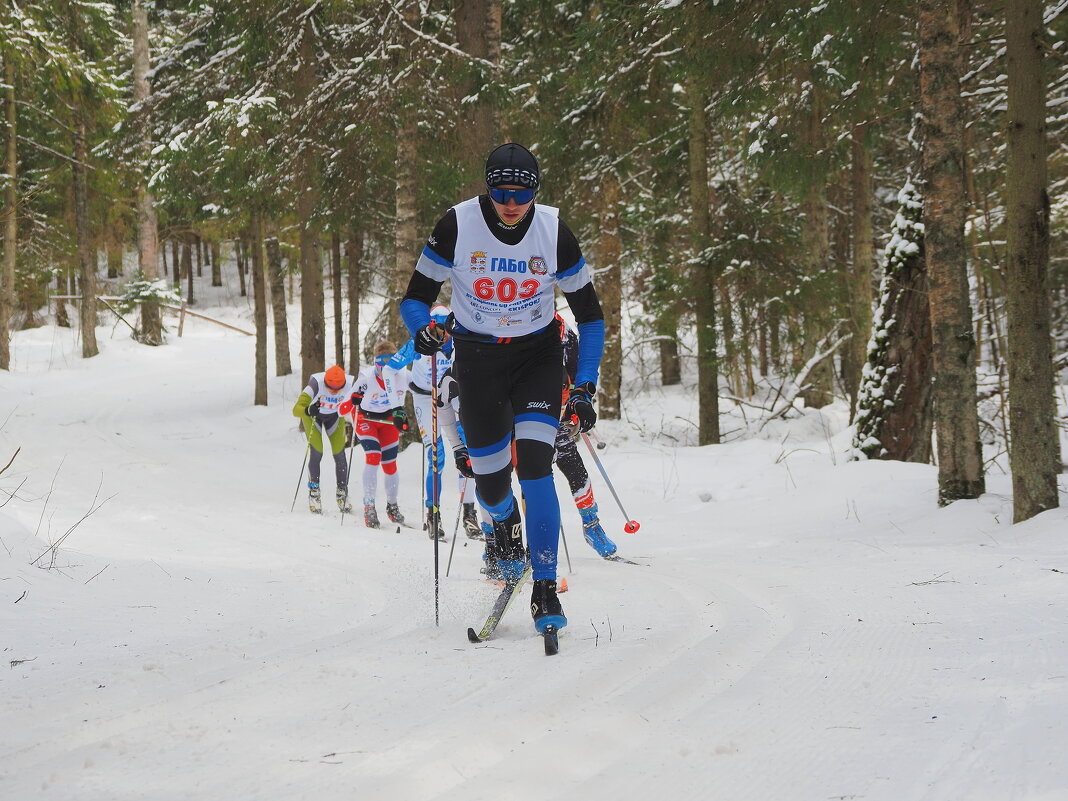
[{"x": 520, "y": 196}]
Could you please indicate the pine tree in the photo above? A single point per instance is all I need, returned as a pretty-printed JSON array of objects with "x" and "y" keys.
[
  {"x": 1034, "y": 446},
  {"x": 960, "y": 463}
]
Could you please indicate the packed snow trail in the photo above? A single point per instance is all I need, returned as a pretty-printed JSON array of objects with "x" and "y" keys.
[{"x": 803, "y": 627}]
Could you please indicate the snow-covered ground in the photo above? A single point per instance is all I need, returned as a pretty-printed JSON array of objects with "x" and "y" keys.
[{"x": 802, "y": 627}]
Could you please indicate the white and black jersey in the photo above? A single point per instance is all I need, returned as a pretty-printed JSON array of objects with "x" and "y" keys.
[{"x": 503, "y": 277}]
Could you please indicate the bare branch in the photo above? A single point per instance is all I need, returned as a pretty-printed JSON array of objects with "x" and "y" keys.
[
  {"x": 93, "y": 508},
  {"x": 6, "y": 466}
]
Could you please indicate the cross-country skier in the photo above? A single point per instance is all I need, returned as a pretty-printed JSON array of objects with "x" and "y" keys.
[
  {"x": 379, "y": 395},
  {"x": 569, "y": 460},
  {"x": 422, "y": 369},
  {"x": 319, "y": 405},
  {"x": 504, "y": 255}
]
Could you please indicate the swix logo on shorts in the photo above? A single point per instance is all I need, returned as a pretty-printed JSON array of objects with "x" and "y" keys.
[{"x": 538, "y": 405}]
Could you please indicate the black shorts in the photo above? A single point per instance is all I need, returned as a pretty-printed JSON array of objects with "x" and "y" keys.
[{"x": 509, "y": 389}]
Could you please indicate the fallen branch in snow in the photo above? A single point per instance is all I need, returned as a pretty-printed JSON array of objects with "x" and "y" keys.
[
  {"x": 55, "y": 546},
  {"x": 936, "y": 580},
  {"x": 11, "y": 495},
  {"x": 51, "y": 487},
  {"x": 16, "y": 662},
  {"x": 798, "y": 385},
  {"x": 97, "y": 573},
  {"x": 9, "y": 461}
]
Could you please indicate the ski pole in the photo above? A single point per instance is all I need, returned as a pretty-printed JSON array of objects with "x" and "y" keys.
[
  {"x": 300, "y": 480},
  {"x": 563, "y": 539},
  {"x": 348, "y": 475},
  {"x": 601, "y": 445},
  {"x": 631, "y": 525},
  {"x": 456, "y": 528},
  {"x": 436, "y": 477}
]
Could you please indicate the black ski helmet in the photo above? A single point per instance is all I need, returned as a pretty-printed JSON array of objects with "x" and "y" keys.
[{"x": 512, "y": 163}]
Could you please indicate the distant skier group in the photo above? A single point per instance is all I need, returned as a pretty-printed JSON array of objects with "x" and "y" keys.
[{"x": 500, "y": 376}]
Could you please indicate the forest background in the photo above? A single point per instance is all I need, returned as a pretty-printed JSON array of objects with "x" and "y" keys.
[{"x": 790, "y": 202}]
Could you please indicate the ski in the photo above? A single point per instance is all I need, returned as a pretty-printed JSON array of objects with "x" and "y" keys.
[
  {"x": 504, "y": 600},
  {"x": 616, "y": 558},
  {"x": 551, "y": 638}
]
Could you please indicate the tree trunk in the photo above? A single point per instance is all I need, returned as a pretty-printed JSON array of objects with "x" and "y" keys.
[
  {"x": 729, "y": 372},
  {"x": 1035, "y": 443},
  {"x": 748, "y": 381},
  {"x": 610, "y": 291},
  {"x": 815, "y": 245},
  {"x": 960, "y": 462},
  {"x": 259, "y": 296},
  {"x": 312, "y": 325},
  {"x": 198, "y": 244},
  {"x": 87, "y": 316},
  {"x": 216, "y": 264},
  {"x": 859, "y": 299},
  {"x": 668, "y": 346},
  {"x": 762, "y": 340},
  {"x": 335, "y": 288},
  {"x": 894, "y": 400},
  {"x": 406, "y": 239},
  {"x": 188, "y": 243},
  {"x": 9, "y": 215},
  {"x": 704, "y": 276},
  {"x": 114, "y": 256},
  {"x": 353, "y": 257},
  {"x": 176, "y": 260},
  {"x": 239, "y": 251},
  {"x": 282, "y": 365},
  {"x": 62, "y": 318},
  {"x": 478, "y": 32}
]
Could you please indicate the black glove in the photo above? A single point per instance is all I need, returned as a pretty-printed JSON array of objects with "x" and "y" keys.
[
  {"x": 463, "y": 462},
  {"x": 580, "y": 405},
  {"x": 355, "y": 399},
  {"x": 400, "y": 419},
  {"x": 312, "y": 410},
  {"x": 429, "y": 339}
]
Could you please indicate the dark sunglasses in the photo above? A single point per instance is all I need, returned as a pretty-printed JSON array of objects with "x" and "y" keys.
[{"x": 520, "y": 196}]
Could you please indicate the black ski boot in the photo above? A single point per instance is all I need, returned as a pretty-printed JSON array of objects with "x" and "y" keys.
[
  {"x": 394, "y": 513},
  {"x": 433, "y": 524},
  {"x": 545, "y": 606},
  {"x": 343, "y": 500},
  {"x": 471, "y": 526},
  {"x": 370, "y": 514}
]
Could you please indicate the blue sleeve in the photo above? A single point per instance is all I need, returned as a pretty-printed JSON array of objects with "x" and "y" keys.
[
  {"x": 403, "y": 357},
  {"x": 415, "y": 314},
  {"x": 591, "y": 348}
]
